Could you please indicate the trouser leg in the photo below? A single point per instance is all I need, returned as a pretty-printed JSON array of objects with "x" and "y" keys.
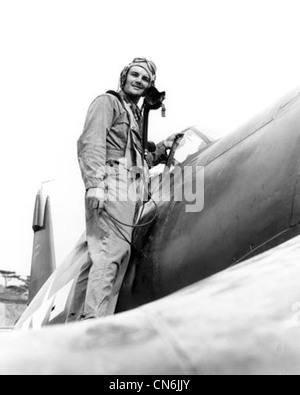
[
  {"x": 79, "y": 292},
  {"x": 109, "y": 249}
]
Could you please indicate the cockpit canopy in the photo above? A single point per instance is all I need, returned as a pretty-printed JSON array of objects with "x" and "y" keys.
[{"x": 192, "y": 142}]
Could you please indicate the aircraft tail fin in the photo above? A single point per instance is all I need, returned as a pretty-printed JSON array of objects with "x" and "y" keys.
[{"x": 43, "y": 254}]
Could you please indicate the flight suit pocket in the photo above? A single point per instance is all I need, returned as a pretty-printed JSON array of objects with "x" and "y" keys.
[
  {"x": 123, "y": 118},
  {"x": 118, "y": 133}
]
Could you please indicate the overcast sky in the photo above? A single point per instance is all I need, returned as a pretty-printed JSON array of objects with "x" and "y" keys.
[{"x": 220, "y": 61}]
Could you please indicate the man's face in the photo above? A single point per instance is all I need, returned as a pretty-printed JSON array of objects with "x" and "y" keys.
[{"x": 138, "y": 81}]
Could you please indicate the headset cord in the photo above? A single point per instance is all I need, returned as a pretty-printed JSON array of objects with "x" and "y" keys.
[
  {"x": 133, "y": 247},
  {"x": 117, "y": 224},
  {"x": 136, "y": 224}
]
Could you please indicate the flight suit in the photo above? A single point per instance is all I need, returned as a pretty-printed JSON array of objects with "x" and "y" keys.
[{"x": 109, "y": 153}]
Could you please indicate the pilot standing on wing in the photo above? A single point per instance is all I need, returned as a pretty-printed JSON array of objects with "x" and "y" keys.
[{"x": 109, "y": 148}]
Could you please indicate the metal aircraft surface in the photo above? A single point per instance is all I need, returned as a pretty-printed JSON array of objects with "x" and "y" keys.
[
  {"x": 250, "y": 203},
  {"x": 243, "y": 320}
]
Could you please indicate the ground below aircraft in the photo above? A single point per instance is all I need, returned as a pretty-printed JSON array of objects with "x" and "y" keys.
[{"x": 250, "y": 203}]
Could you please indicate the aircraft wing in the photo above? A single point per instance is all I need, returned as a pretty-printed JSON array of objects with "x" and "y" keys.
[{"x": 244, "y": 320}]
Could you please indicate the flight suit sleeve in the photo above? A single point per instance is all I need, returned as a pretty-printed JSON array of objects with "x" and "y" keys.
[
  {"x": 160, "y": 155},
  {"x": 92, "y": 143}
]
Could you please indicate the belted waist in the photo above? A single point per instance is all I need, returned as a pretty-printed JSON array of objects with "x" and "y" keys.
[{"x": 116, "y": 155}]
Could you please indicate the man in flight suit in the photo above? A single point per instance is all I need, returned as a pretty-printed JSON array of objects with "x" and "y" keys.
[{"x": 108, "y": 150}]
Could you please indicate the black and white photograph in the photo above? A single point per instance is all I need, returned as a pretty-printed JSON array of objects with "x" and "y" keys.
[{"x": 150, "y": 204}]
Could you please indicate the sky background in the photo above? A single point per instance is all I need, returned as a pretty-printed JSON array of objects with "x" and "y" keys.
[{"x": 221, "y": 62}]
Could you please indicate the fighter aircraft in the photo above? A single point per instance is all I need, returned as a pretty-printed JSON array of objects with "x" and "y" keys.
[{"x": 249, "y": 203}]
